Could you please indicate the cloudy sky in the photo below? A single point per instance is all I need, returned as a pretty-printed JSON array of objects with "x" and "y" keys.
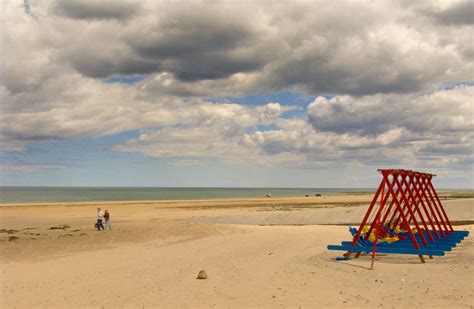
[{"x": 235, "y": 93}]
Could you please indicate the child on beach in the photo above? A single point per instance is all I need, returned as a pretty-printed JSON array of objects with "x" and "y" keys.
[
  {"x": 100, "y": 215},
  {"x": 107, "y": 220}
]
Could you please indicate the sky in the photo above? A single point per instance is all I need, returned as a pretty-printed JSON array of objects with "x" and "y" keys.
[{"x": 235, "y": 93}]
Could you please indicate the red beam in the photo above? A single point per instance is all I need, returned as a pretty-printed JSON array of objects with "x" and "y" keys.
[
  {"x": 404, "y": 219},
  {"x": 422, "y": 183},
  {"x": 430, "y": 186},
  {"x": 423, "y": 240},
  {"x": 416, "y": 204},
  {"x": 359, "y": 231}
]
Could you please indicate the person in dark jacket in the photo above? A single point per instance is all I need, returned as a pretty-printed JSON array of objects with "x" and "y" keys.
[{"x": 100, "y": 216}]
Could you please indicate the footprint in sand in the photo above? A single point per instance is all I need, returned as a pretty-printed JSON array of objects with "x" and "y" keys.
[
  {"x": 65, "y": 235},
  {"x": 59, "y": 227},
  {"x": 9, "y": 231}
]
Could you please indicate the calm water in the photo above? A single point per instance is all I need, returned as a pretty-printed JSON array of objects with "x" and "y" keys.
[{"x": 62, "y": 194}]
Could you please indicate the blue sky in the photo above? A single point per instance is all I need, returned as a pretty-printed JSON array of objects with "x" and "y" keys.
[
  {"x": 217, "y": 94},
  {"x": 93, "y": 162}
]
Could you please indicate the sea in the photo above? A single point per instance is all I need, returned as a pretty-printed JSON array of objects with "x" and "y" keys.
[{"x": 103, "y": 194}]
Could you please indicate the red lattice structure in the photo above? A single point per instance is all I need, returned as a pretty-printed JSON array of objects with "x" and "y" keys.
[{"x": 405, "y": 211}]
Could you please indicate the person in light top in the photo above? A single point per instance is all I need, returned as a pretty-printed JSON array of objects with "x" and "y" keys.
[
  {"x": 107, "y": 220},
  {"x": 100, "y": 216}
]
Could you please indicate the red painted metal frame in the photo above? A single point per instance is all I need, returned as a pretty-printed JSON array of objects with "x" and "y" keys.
[
  {"x": 409, "y": 198},
  {"x": 378, "y": 228},
  {"x": 421, "y": 190},
  {"x": 430, "y": 186},
  {"x": 421, "y": 184}
]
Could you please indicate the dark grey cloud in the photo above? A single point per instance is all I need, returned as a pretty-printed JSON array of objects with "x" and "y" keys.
[
  {"x": 97, "y": 10},
  {"x": 199, "y": 42},
  {"x": 437, "y": 150},
  {"x": 106, "y": 66},
  {"x": 191, "y": 41},
  {"x": 314, "y": 76},
  {"x": 191, "y": 31},
  {"x": 211, "y": 66},
  {"x": 311, "y": 47}
]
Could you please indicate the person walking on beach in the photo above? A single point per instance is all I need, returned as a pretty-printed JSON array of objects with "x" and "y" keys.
[
  {"x": 107, "y": 220},
  {"x": 100, "y": 216}
]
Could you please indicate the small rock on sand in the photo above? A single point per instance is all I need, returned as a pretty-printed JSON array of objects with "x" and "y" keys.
[{"x": 202, "y": 275}]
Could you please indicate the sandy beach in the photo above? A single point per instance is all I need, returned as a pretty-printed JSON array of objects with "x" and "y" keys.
[
  {"x": 236, "y": 145},
  {"x": 256, "y": 252}
]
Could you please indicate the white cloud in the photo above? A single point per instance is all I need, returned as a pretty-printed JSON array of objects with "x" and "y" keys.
[
  {"x": 28, "y": 167},
  {"x": 439, "y": 112},
  {"x": 382, "y": 64}
]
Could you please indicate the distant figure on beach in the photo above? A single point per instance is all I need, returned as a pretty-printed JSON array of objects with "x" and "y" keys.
[
  {"x": 100, "y": 216},
  {"x": 107, "y": 220}
]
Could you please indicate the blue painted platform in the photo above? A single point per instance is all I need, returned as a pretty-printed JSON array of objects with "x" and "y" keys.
[
  {"x": 387, "y": 250},
  {"x": 405, "y": 246},
  {"x": 402, "y": 245}
]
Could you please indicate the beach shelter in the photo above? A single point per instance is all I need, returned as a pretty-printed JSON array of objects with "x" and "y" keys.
[{"x": 406, "y": 216}]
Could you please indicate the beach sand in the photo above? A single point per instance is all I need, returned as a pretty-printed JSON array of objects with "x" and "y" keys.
[{"x": 257, "y": 253}]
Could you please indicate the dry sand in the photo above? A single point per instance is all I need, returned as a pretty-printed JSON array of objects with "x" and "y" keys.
[{"x": 257, "y": 253}]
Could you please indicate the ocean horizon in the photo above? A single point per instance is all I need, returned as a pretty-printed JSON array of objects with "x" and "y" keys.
[{"x": 15, "y": 194}]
